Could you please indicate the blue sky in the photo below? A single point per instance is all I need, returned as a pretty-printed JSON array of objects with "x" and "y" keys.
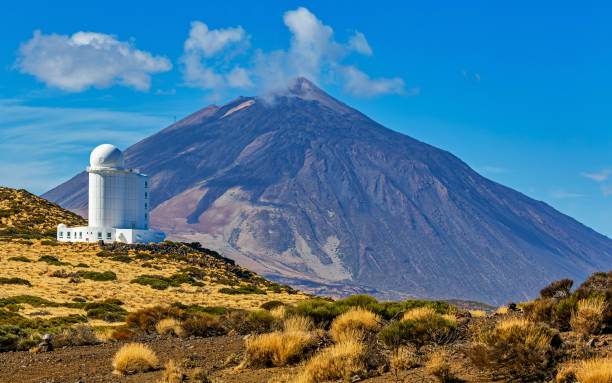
[{"x": 521, "y": 92}]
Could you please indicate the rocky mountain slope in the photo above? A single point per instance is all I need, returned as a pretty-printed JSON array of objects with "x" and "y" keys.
[{"x": 306, "y": 190}]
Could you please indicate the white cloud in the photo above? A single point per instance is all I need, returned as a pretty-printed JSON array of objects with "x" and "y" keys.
[
  {"x": 358, "y": 43},
  {"x": 360, "y": 84},
  {"x": 599, "y": 177},
  {"x": 606, "y": 190},
  {"x": 40, "y": 145},
  {"x": 313, "y": 53},
  {"x": 209, "y": 42},
  {"x": 493, "y": 170},
  {"x": 85, "y": 59}
]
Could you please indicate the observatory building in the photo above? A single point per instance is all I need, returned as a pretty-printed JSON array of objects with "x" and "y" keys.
[{"x": 118, "y": 203}]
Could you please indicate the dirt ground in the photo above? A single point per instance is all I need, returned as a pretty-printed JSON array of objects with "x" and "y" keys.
[{"x": 92, "y": 364}]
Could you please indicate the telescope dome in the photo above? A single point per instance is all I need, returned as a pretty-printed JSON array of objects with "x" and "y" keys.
[{"x": 106, "y": 156}]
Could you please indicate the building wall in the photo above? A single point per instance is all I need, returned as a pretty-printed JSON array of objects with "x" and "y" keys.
[
  {"x": 136, "y": 203},
  {"x": 107, "y": 199}
]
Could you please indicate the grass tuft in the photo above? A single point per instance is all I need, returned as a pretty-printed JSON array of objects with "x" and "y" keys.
[{"x": 133, "y": 358}]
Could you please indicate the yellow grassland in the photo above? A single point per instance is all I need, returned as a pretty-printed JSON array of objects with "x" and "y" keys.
[{"x": 133, "y": 295}]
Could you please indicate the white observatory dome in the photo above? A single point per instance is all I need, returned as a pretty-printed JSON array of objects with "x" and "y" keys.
[{"x": 106, "y": 156}]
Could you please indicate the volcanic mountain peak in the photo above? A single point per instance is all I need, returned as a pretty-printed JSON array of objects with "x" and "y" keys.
[{"x": 309, "y": 191}]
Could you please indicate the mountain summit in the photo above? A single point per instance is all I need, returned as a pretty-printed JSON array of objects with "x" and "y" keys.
[{"x": 307, "y": 190}]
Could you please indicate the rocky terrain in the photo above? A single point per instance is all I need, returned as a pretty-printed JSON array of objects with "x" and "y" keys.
[{"x": 308, "y": 191}]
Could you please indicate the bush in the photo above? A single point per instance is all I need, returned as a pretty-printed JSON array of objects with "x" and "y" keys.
[
  {"x": 159, "y": 282},
  {"x": 354, "y": 322},
  {"x": 515, "y": 348},
  {"x": 212, "y": 310},
  {"x": 122, "y": 333},
  {"x": 173, "y": 373},
  {"x": 82, "y": 265},
  {"x": 146, "y": 319},
  {"x": 51, "y": 260},
  {"x": 419, "y": 327},
  {"x": 277, "y": 348},
  {"x": 203, "y": 325},
  {"x": 588, "y": 317},
  {"x": 169, "y": 326},
  {"x": 597, "y": 370},
  {"x": 79, "y": 335},
  {"x": 46, "y": 242},
  {"x": 121, "y": 258},
  {"x": 557, "y": 289},
  {"x": 13, "y": 338},
  {"x": 97, "y": 276},
  {"x": 271, "y": 305},
  {"x": 555, "y": 314},
  {"x": 20, "y": 259},
  {"x": 133, "y": 358},
  {"x": 298, "y": 323},
  {"x": 260, "y": 321},
  {"x": 438, "y": 366},
  {"x": 14, "y": 281},
  {"x": 248, "y": 289},
  {"x": 340, "y": 361},
  {"x": 105, "y": 311}
]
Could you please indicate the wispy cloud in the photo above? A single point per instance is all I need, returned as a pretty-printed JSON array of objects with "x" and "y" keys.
[
  {"x": 86, "y": 59},
  {"x": 492, "y": 170},
  {"x": 606, "y": 190},
  {"x": 599, "y": 177},
  {"x": 561, "y": 194},
  {"x": 40, "y": 145},
  {"x": 208, "y": 59}
]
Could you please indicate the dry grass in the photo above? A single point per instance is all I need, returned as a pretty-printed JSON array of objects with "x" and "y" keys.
[
  {"x": 133, "y": 358},
  {"x": 514, "y": 347},
  {"x": 77, "y": 336},
  {"x": 502, "y": 310},
  {"x": 298, "y": 323},
  {"x": 597, "y": 370},
  {"x": 353, "y": 322},
  {"x": 279, "y": 312},
  {"x": 478, "y": 313},
  {"x": 173, "y": 373},
  {"x": 134, "y": 295},
  {"x": 419, "y": 314},
  {"x": 588, "y": 317},
  {"x": 169, "y": 326},
  {"x": 277, "y": 348},
  {"x": 438, "y": 366},
  {"x": 340, "y": 361},
  {"x": 566, "y": 374}
]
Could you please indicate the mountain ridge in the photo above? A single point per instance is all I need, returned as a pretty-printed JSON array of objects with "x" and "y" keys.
[{"x": 303, "y": 188}]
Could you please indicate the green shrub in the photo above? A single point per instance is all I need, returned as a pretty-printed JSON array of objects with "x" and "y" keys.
[
  {"x": 105, "y": 311},
  {"x": 51, "y": 260},
  {"x": 159, "y": 282},
  {"x": 20, "y": 259},
  {"x": 79, "y": 299},
  {"x": 260, "y": 321},
  {"x": 121, "y": 258},
  {"x": 430, "y": 329},
  {"x": 146, "y": 319},
  {"x": 82, "y": 265},
  {"x": 144, "y": 256},
  {"x": 270, "y": 305},
  {"x": 212, "y": 310},
  {"x": 97, "y": 276},
  {"x": 14, "y": 281},
  {"x": 248, "y": 289},
  {"x": 13, "y": 338},
  {"x": 203, "y": 325}
]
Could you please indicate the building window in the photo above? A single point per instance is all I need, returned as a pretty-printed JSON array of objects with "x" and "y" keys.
[
  {"x": 68, "y": 235},
  {"x": 146, "y": 227},
  {"x": 80, "y": 234},
  {"x": 146, "y": 184},
  {"x": 146, "y": 205},
  {"x": 145, "y": 215},
  {"x": 146, "y": 194},
  {"x": 99, "y": 235},
  {"x": 61, "y": 234},
  {"x": 108, "y": 235}
]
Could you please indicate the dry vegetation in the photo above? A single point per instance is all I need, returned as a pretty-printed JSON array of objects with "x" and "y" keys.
[{"x": 84, "y": 294}]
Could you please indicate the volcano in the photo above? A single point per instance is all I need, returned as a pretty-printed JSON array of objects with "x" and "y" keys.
[{"x": 308, "y": 191}]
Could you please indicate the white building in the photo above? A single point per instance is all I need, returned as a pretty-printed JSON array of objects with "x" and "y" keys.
[{"x": 118, "y": 203}]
